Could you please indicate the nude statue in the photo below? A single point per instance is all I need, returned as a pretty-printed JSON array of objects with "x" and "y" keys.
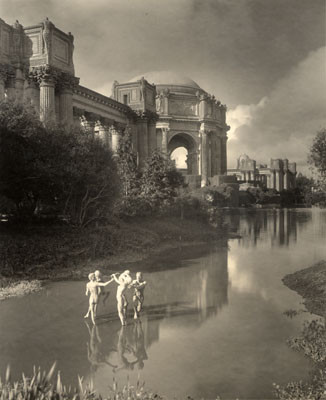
[
  {"x": 92, "y": 288},
  {"x": 103, "y": 293},
  {"x": 123, "y": 281},
  {"x": 138, "y": 298}
]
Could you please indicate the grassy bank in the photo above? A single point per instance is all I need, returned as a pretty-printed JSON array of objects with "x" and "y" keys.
[
  {"x": 310, "y": 283},
  {"x": 60, "y": 252}
]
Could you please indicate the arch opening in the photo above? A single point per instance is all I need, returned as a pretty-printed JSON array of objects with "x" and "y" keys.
[
  {"x": 180, "y": 156},
  {"x": 183, "y": 150}
]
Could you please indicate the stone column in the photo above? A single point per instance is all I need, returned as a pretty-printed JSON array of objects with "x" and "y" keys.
[
  {"x": 209, "y": 155},
  {"x": 273, "y": 179},
  {"x": 3, "y": 78},
  {"x": 224, "y": 155},
  {"x": 78, "y": 114},
  {"x": 47, "y": 99},
  {"x": 89, "y": 121},
  {"x": 199, "y": 153},
  {"x": 277, "y": 181},
  {"x": 218, "y": 156},
  {"x": 286, "y": 180},
  {"x": 165, "y": 141},
  {"x": 11, "y": 90},
  {"x": 19, "y": 85},
  {"x": 204, "y": 159},
  {"x": 151, "y": 136},
  {"x": 66, "y": 85},
  {"x": 32, "y": 93},
  {"x": 166, "y": 95},
  {"x": 115, "y": 136},
  {"x": 65, "y": 107},
  {"x": 104, "y": 134}
]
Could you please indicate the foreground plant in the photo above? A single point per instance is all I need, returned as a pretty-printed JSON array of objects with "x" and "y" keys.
[
  {"x": 42, "y": 387},
  {"x": 312, "y": 343}
]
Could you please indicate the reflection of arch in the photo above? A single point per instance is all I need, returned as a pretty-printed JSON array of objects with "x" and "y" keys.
[{"x": 187, "y": 141}]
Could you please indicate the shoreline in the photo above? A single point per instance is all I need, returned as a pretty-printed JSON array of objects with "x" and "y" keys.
[
  {"x": 155, "y": 242},
  {"x": 310, "y": 284}
]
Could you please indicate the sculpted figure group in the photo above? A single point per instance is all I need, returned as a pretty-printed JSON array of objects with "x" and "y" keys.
[{"x": 95, "y": 288}]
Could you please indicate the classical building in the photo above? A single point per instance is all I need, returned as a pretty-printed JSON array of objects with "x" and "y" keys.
[
  {"x": 161, "y": 111},
  {"x": 279, "y": 175}
]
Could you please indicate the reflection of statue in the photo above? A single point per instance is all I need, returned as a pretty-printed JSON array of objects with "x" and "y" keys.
[
  {"x": 94, "y": 354},
  {"x": 122, "y": 349},
  {"x": 139, "y": 349}
]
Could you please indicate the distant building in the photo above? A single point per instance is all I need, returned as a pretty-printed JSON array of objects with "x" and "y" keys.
[{"x": 279, "y": 175}]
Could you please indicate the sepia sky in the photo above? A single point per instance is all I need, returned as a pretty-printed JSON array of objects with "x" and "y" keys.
[{"x": 265, "y": 59}]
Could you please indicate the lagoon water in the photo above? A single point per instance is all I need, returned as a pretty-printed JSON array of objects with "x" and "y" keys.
[{"x": 213, "y": 324}]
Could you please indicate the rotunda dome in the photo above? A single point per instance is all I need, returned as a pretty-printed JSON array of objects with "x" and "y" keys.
[{"x": 167, "y": 79}]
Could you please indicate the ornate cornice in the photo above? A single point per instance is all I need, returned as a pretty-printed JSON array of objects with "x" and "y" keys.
[{"x": 107, "y": 101}]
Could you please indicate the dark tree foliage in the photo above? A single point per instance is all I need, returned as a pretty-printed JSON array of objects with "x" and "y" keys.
[
  {"x": 160, "y": 180},
  {"x": 317, "y": 155},
  {"x": 127, "y": 166},
  {"x": 52, "y": 169}
]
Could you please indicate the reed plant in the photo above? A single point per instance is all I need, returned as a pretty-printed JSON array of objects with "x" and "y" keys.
[{"x": 45, "y": 386}]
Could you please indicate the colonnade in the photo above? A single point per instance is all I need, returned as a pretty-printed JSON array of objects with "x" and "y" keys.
[
  {"x": 106, "y": 129},
  {"x": 40, "y": 86}
]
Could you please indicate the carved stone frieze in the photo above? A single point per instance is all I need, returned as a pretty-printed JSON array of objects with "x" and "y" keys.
[{"x": 187, "y": 108}]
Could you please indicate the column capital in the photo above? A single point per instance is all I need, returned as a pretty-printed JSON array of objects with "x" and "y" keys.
[{"x": 44, "y": 74}]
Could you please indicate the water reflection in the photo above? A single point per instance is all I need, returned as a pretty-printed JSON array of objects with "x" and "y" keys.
[
  {"x": 196, "y": 292},
  {"x": 278, "y": 227},
  {"x": 95, "y": 355},
  {"x": 221, "y": 311}
]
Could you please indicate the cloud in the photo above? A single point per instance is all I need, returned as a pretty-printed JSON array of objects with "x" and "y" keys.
[{"x": 283, "y": 124}]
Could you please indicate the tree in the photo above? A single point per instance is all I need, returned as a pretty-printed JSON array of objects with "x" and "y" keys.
[
  {"x": 127, "y": 166},
  {"x": 160, "y": 180},
  {"x": 53, "y": 168},
  {"x": 93, "y": 184},
  {"x": 317, "y": 155}
]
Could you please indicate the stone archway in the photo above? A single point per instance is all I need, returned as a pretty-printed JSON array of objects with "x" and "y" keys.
[{"x": 187, "y": 141}]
